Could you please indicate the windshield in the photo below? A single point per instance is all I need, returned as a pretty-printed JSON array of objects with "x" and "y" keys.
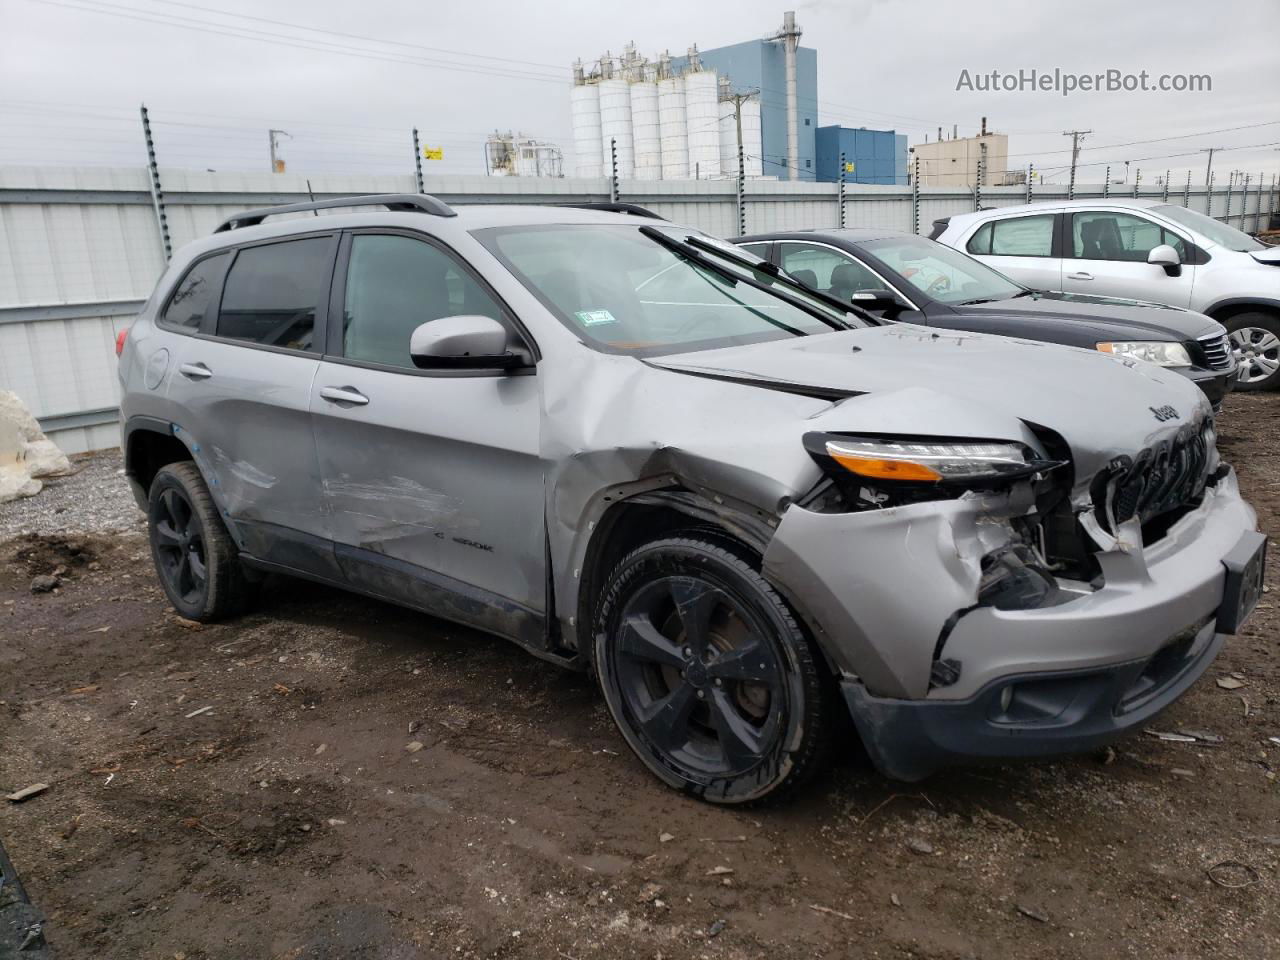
[
  {"x": 1209, "y": 228},
  {"x": 940, "y": 272},
  {"x": 627, "y": 293}
]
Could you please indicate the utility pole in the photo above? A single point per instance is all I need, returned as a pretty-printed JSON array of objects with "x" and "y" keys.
[
  {"x": 1208, "y": 170},
  {"x": 738, "y": 100},
  {"x": 1076, "y": 136},
  {"x": 277, "y": 161}
]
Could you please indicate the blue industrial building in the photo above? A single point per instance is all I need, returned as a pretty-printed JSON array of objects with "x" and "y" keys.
[
  {"x": 761, "y": 65},
  {"x": 876, "y": 156}
]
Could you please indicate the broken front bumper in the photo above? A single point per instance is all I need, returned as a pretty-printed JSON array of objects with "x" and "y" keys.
[{"x": 887, "y": 592}]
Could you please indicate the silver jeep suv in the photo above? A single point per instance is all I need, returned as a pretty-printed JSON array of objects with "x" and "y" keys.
[{"x": 637, "y": 450}]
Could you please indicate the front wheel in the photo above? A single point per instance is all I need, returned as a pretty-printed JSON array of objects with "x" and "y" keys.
[
  {"x": 706, "y": 672},
  {"x": 1255, "y": 340}
]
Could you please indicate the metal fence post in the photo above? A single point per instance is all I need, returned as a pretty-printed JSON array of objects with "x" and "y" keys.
[
  {"x": 982, "y": 172},
  {"x": 417, "y": 160},
  {"x": 915, "y": 196},
  {"x": 1231, "y": 183},
  {"x": 1106, "y": 183},
  {"x": 157, "y": 194},
  {"x": 742, "y": 193},
  {"x": 1208, "y": 200},
  {"x": 1137, "y": 180},
  {"x": 1186, "y": 191},
  {"x": 613, "y": 176},
  {"x": 1244, "y": 201},
  {"x": 1166, "y": 186},
  {"x": 842, "y": 220},
  {"x": 1257, "y": 216},
  {"x": 1031, "y": 176}
]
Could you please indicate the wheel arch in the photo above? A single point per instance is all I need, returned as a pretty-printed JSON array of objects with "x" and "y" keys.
[
  {"x": 149, "y": 444},
  {"x": 1224, "y": 310}
]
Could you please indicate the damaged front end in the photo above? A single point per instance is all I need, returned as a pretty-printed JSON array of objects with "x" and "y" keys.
[{"x": 1012, "y": 606}]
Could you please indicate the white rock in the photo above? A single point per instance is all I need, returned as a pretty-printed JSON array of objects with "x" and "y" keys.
[{"x": 25, "y": 452}]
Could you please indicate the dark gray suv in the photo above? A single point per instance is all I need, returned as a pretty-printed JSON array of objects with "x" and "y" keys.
[{"x": 633, "y": 449}]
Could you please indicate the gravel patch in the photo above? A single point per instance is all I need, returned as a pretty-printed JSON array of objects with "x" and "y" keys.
[{"x": 95, "y": 497}]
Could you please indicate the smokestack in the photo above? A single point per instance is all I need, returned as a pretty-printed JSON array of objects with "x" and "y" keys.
[
  {"x": 939, "y": 134},
  {"x": 790, "y": 37},
  {"x": 984, "y": 126},
  {"x": 955, "y": 131}
]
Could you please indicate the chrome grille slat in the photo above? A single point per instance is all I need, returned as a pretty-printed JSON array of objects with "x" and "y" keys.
[{"x": 1217, "y": 350}]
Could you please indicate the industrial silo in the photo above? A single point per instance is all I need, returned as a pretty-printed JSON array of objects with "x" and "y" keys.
[
  {"x": 584, "y": 105},
  {"x": 752, "y": 138},
  {"x": 673, "y": 126},
  {"x": 615, "y": 124},
  {"x": 702, "y": 113},
  {"x": 646, "y": 126}
]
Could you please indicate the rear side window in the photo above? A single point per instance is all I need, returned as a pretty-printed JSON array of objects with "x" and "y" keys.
[
  {"x": 395, "y": 284},
  {"x": 1015, "y": 237},
  {"x": 191, "y": 299},
  {"x": 274, "y": 292}
]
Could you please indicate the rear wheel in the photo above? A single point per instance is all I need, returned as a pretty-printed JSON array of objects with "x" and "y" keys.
[
  {"x": 706, "y": 672},
  {"x": 1255, "y": 340},
  {"x": 195, "y": 558}
]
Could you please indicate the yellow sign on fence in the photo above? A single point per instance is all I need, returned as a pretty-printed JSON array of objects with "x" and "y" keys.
[
  {"x": 848, "y": 167},
  {"x": 433, "y": 153}
]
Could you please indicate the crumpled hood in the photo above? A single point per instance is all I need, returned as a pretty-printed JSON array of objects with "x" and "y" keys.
[{"x": 910, "y": 380}]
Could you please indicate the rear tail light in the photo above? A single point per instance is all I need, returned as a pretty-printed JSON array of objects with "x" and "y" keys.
[{"x": 120, "y": 339}]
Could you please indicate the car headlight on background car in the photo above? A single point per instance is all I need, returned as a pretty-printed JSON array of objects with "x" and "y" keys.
[{"x": 1160, "y": 352}]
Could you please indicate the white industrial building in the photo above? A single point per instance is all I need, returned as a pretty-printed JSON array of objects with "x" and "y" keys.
[
  {"x": 661, "y": 123},
  {"x": 515, "y": 155}
]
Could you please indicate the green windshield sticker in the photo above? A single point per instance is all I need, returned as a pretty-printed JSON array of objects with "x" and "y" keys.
[{"x": 593, "y": 318}]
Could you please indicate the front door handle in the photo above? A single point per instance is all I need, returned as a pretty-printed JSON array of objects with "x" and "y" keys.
[
  {"x": 195, "y": 371},
  {"x": 344, "y": 395},
  {"x": 1080, "y": 275}
]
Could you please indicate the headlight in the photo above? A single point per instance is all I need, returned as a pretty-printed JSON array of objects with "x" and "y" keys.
[
  {"x": 1160, "y": 352},
  {"x": 926, "y": 461}
]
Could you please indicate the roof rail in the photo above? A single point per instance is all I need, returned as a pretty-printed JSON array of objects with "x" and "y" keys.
[
  {"x": 401, "y": 202},
  {"x": 632, "y": 208}
]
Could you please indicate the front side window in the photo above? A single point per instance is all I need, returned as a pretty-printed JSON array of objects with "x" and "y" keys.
[
  {"x": 195, "y": 292},
  {"x": 827, "y": 270},
  {"x": 274, "y": 292},
  {"x": 622, "y": 291},
  {"x": 1015, "y": 237},
  {"x": 939, "y": 271},
  {"x": 1103, "y": 235},
  {"x": 396, "y": 283},
  {"x": 1213, "y": 230}
]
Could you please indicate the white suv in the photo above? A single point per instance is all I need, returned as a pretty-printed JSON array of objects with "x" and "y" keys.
[{"x": 1143, "y": 249}]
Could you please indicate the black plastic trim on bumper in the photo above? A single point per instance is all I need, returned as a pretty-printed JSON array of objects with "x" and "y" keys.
[{"x": 910, "y": 739}]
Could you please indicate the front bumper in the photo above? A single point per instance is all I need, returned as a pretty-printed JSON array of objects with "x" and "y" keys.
[
  {"x": 1046, "y": 714},
  {"x": 1215, "y": 384}
]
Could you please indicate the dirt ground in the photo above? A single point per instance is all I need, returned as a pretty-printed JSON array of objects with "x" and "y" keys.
[{"x": 371, "y": 783}]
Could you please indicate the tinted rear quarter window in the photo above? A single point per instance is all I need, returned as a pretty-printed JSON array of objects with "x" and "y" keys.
[
  {"x": 194, "y": 294},
  {"x": 274, "y": 292}
]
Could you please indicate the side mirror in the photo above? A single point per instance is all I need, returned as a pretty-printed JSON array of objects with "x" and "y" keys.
[
  {"x": 465, "y": 342},
  {"x": 875, "y": 299},
  {"x": 1167, "y": 257}
]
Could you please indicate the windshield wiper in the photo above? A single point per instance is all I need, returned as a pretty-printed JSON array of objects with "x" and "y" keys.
[
  {"x": 976, "y": 300},
  {"x": 696, "y": 255},
  {"x": 1027, "y": 293},
  {"x": 772, "y": 270}
]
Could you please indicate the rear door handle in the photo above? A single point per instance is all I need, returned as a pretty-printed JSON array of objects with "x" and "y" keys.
[
  {"x": 195, "y": 371},
  {"x": 344, "y": 395},
  {"x": 1081, "y": 275}
]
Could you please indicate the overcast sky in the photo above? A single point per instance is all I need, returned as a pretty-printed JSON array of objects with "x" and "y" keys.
[{"x": 72, "y": 73}]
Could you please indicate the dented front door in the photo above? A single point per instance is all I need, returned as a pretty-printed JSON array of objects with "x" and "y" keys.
[{"x": 432, "y": 481}]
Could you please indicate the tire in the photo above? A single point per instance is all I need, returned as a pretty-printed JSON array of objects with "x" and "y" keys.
[
  {"x": 678, "y": 619},
  {"x": 196, "y": 560},
  {"x": 1255, "y": 340}
]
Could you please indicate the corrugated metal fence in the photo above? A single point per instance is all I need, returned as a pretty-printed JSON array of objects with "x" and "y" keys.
[{"x": 80, "y": 248}]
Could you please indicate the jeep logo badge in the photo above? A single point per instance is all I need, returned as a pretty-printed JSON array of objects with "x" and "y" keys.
[{"x": 1164, "y": 413}]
